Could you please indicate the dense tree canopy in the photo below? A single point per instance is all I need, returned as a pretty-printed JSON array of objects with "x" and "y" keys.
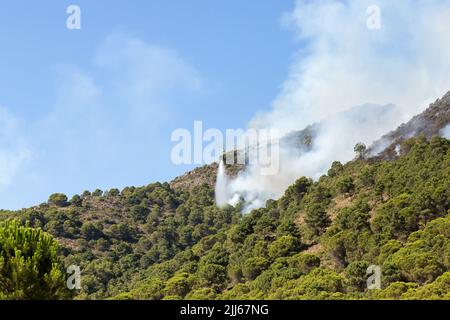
[{"x": 315, "y": 242}]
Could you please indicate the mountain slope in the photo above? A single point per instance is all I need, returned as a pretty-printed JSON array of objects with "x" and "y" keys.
[
  {"x": 428, "y": 123},
  {"x": 297, "y": 142},
  {"x": 170, "y": 241},
  {"x": 318, "y": 240}
]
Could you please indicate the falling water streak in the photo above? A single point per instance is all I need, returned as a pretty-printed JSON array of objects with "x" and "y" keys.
[{"x": 221, "y": 186}]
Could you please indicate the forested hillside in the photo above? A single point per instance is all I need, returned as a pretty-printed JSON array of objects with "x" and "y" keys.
[{"x": 316, "y": 242}]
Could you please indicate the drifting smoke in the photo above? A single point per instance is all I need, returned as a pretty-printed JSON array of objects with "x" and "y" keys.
[
  {"x": 446, "y": 132},
  {"x": 12, "y": 156},
  {"x": 400, "y": 68},
  {"x": 333, "y": 139}
]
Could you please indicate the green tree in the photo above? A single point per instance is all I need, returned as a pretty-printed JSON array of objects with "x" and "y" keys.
[
  {"x": 178, "y": 285},
  {"x": 113, "y": 192},
  {"x": 91, "y": 231},
  {"x": 304, "y": 262},
  {"x": 139, "y": 213},
  {"x": 336, "y": 169},
  {"x": 284, "y": 246},
  {"x": 76, "y": 201},
  {"x": 212, "y": 275},
  {"x": 29, "y": 267},
  {"x": 123, "y": 232},
  {"x": 202, "y": 294},
  {"x": 317, "y": 218},
  {"x": 346, "y": 185},
  {"x": 97, "y": 193},
  {"x": 361, "y": 150},
  {"x": 355, "y": 275},
  {"x": 254, "y": 266},
  {"x": 58, "y": 199},
  {"x": 355, "y": 218}
]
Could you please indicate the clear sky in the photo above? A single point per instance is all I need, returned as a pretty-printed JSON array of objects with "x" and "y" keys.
[
  {"x": 81, "y": 109},
  {"x": 95, "y": 108}
]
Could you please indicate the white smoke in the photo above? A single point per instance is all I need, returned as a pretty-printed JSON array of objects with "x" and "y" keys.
[
  {"x": 333, "y": 140},
  {"x": 12, "y": 155},
  {"x": 255, "y": 188},
  {"x": 343, "y": 64},
  {"x": 445, "y": 132}
]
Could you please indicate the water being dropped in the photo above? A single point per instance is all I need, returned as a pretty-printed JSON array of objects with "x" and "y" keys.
[{"x": 221, "y": 191}]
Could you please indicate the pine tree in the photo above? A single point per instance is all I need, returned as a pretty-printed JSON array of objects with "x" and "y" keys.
[
  {"x": 29, "y": 268},
  {"x": 317, "y": 218}
]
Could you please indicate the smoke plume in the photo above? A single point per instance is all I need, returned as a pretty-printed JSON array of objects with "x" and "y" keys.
[{"x": 392, "y": 73}]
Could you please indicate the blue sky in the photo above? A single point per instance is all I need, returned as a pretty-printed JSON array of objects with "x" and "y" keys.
[
  {"x": 86, "y": 109},
  {"x": 95, "y": 108}
]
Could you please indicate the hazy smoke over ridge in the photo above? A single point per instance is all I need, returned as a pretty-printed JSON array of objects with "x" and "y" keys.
[
  {"x": 343, "y": 64},
  {"x": 446, "y": 131},
  {"x": 11, "y": 155}
]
